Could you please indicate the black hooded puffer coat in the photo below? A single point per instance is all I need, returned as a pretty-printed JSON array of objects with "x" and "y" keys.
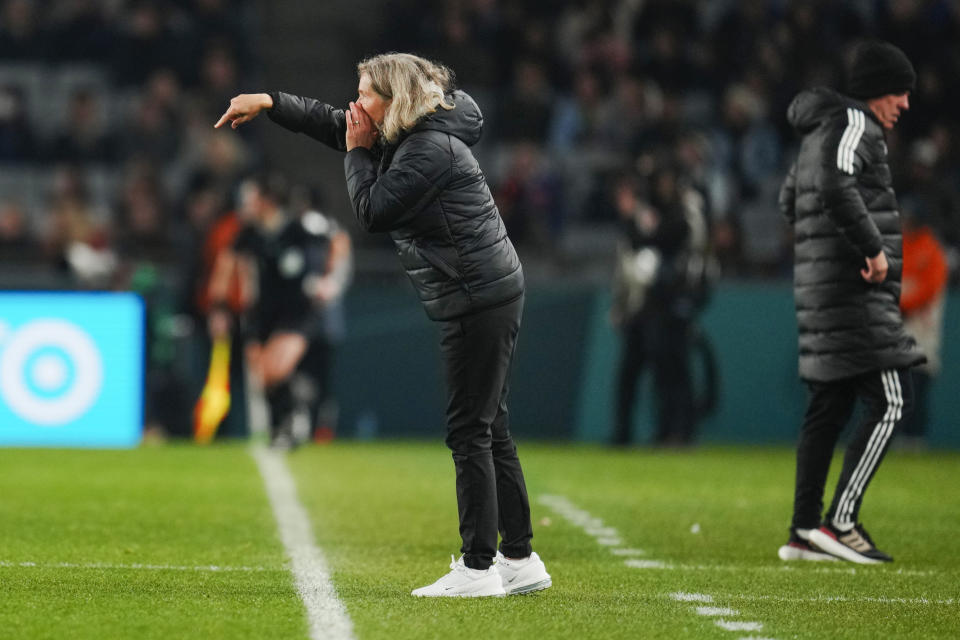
[
  {"x": 429, "y": 193},
  {"x": 839, "y": 199}
]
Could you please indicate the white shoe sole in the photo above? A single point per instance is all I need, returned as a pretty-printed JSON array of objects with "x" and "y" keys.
[
  {"x": 523, "y": 589},
  {"x": 838, "y": 549},
  {"x": 478, "y": 594},
  {"x": 788, "y": 553},
  {"x": 493, "y": 589}
]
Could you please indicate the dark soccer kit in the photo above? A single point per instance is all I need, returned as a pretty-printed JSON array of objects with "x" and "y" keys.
[{"x": 286, "y": 260}]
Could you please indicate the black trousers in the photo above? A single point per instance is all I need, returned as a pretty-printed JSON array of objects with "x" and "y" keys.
[
  {"x": 915, "y": 423},
  {"x": 660, "y": 339},
  {"x": 887, "y": 396},
  {"x": 477, "y": 351}
]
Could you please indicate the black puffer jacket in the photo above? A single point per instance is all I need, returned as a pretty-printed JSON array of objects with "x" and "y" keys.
[
  {"x": 429, "y": 193},
  {"x": 839, "y": 198}
]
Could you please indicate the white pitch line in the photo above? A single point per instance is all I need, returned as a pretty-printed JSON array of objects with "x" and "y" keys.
[
  {"x": 645, "y": 564},
  {"x": 602, "y": 532},
  {"x": 717, "y": 611},
  {"x": 731, "y": 625},
  {"x": 772, "y": 569},
  {"x": 628, "y": 552},
  {"x": 843, "y": 599},
  {"x": 326, "y": 614},
  {"x": 681, "y": 596},
  {"x": 133, "y": 567}
]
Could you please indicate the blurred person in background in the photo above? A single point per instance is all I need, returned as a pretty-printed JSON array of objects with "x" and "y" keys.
[
  {"x": 82, "y": 30},
  {"x": 657, "y": 291},
  {"x": 17, "y": 244},
  {"x": 77, "y": 240},
  {"x": 20, "y": 37},
  {"x": 211, "y": 230},
  {"x": 17, "y": 140},
  {"x": 144, "y": 246},
  {"x": 530, "y": 199},
  {"x": 410, "y": 172},
  {"x": 922, "y": 298},
  {"x": 153, "y": 130},
  {"x": 525, "y": 109},
  {"x": 286, "y": 270},
  {"x": 839, "y": 197},
  {"x": 84, "y": 138},
  {"x": 316, "y": 386},
  {"x": 149, "y": 36}
]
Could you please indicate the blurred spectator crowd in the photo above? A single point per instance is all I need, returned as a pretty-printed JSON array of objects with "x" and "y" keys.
[
  {"x": 582, "y": 95},
  {"x": 108, "y": 160},
  {"x": 109, "y": 166},
  {"x": 111, "y": 174}
]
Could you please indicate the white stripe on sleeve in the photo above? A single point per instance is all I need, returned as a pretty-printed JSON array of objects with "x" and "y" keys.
[{"x": 846, "y": 150}]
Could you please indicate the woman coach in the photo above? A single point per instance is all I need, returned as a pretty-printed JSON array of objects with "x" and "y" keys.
[{"x": 410, "y": 172}]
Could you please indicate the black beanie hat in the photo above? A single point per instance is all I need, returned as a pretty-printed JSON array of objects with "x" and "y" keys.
[{"x": 878, "y": 69}]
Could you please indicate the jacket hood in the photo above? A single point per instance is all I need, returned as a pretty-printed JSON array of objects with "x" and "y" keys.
[
  {"x": 464, "y": 121},
  {"x": 812, "y": 106}
]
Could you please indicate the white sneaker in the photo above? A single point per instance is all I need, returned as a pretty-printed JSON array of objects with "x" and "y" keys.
[
  {"x": 522, "y": 576},
  {"x": 463, "y": 582}
]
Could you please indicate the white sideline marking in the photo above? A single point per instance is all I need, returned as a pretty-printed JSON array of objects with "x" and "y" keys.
[
  {"x": 591, "y": 525},
  {"x": 730, "y": 625},
  {"x": 821, "y": 599},
  {"x": 680, "y": 596},
  {"x": 326, "y": 614},
  {"x": 607, "y": 532},
  {"x": 645, "y": 564},
  {"x": 774, "y": 569},
  {"x": 136, "y": 566},
  {"x": 717, "y": 611},
  {"x": 609, "y": 537}
]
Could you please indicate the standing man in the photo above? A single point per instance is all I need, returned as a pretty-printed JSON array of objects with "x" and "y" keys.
[
  {"x": 652, "y": 305},
  {"x": 847, "y": 266}
]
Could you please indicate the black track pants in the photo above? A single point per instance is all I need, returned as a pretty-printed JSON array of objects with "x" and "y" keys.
[{"x": 886, "y": 396}]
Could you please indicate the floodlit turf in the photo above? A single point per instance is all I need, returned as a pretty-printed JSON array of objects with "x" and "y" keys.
[
  {"x": 172, "y": 509},
  {"x": 121, "y": 544}
]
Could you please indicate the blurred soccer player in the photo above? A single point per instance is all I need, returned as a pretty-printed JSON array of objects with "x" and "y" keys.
[
  {"x": 847, "y": 267},
  {"x": 410, "y": 172},
  {"x": 289, "y": 268}
]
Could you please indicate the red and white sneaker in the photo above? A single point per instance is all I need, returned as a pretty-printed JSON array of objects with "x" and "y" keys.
[
  {"x": 854, "y": 545},
  {"x": 798, "y": 547}
]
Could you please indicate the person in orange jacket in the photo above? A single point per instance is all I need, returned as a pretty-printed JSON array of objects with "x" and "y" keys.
[{"x": 924, "y": 281}]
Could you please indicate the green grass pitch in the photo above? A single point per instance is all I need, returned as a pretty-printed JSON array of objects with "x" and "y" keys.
[{"x": 180, "y": 542}]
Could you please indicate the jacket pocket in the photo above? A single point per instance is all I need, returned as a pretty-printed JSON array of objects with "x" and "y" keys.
[{"x": 437, "y": 262}]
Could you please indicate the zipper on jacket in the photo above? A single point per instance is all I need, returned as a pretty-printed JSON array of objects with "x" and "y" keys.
[{"x": 438, "y": 263}]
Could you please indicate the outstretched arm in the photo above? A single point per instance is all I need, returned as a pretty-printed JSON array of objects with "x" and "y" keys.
[
  {"x": 317, "y": 119},
  {"x": 244, "y": 108}
]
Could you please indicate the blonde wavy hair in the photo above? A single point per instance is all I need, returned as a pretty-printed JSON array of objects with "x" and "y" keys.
[{"x": 414, "y": 85}]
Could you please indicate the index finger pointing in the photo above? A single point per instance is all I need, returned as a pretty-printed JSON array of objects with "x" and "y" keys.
[{"x": 223, "y": 119}]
